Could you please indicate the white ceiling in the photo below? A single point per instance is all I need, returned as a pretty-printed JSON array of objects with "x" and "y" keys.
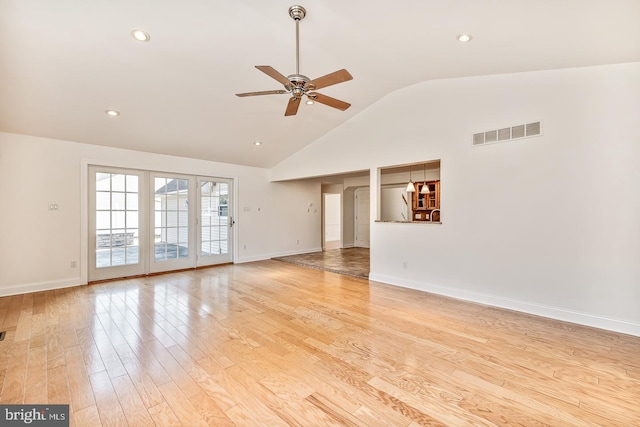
[{"x": 63, "y": 63}]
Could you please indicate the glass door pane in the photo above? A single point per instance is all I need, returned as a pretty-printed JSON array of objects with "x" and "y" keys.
[
  {"x": 172, "y": 235},
  {"x": 115, "y": 223},
  {"x": 215, "y": 221}
]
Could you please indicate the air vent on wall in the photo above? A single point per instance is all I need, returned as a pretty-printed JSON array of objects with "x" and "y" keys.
[{"x": 506, "y": 134}]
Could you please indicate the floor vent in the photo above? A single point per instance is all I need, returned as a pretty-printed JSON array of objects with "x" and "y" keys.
[{"x": 507, "y": 134}]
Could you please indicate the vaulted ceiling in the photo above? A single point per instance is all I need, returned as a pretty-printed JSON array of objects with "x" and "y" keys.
[{"x": 63, "y": 63}]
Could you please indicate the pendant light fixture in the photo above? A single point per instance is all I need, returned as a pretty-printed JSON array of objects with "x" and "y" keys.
[
  {"x": 410, "y": 186},
  {"x": 425, "y": 186}
]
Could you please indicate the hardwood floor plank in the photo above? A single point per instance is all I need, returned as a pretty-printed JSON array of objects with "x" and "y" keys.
[
  {"x": 23, "y": 328},
  {"x": 204, "y": 379},
  {"x": 507, "y": 395},
  {"x": 269, "y": 343},
  {"x": 58, "y": 385},
  {"x": 13, "y": 312},
  {"x": 444, "y": 410},
  {"x": 162, "y": 415},
  {"x": 288, "y": 403},
  {"x": 177, "y": 373},
  {"x": 36, "y": 381},
  {"x": 79, "y": 384},
  {"x": 134, "y": 409},
  {"x": 90, "y": 353},
  {"x": 87, "y": 417},
  {"x": 109, "y": 408},
  {"x": 210, "y": 412},
  {"x": 108, "y": 354},
  {"x": 333, "y": 410},
  {"x": 14, "y": 383},
  {"x": 247, "y": 404},
  {"x": 181, "y": 405},
  {"x": 38, "y": 303},
  {"x": 142, "y": 381},
  {"x": 55, "y": 349},
  {"x": 149, "y": 361}
]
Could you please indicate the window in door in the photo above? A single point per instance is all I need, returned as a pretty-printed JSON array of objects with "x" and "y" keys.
[
  {"x": 214, "y": 203},
  {"x": 117, "y": 229},
  {"x": 116, "y": 221},
  {"x": 171, "y": 218},
  {"x": 215, "y": 221}
]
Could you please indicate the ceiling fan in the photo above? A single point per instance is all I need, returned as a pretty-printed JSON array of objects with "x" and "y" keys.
[{"x": 298, "y": 85}]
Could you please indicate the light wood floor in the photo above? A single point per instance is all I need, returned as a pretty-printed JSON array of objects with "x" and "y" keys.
[{"x": 271, "y": 344}]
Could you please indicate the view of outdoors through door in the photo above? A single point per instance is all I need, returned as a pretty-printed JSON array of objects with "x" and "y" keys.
[
  {"x": 216, "y": 220},
  {"x": 214, "y": 214},
  {"x": 146, "y": 222},
  {"x": 171, "y": 218},
  {"x": 117, "y": 224}
]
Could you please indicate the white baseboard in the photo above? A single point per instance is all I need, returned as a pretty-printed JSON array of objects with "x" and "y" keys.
[
  {"x": 41, "y": 286},
  {"x": 242, "y": 260},
  {"x": 586, "y": 319}
]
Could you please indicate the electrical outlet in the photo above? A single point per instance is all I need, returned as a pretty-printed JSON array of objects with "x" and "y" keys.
[
  {"x": 297, "y": 242},
  {"x": 405, "y": 265},
  {"x": 244, "y": 247},
  {"x": 74, "y": 264}
]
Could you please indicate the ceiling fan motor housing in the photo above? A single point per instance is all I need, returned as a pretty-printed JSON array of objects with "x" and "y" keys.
[{"x": 299, "y": 85}]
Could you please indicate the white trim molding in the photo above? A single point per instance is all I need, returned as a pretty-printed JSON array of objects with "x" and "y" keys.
[
  {"x": 27, "y": 288},
  {"x": 557, "y": 313}
]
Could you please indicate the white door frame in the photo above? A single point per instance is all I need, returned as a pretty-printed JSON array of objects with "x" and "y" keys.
[{"x": 367, "y": 214}]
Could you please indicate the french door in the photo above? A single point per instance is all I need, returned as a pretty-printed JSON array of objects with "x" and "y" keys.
[
  {"x": 173, "y": 217},
  {"x": 147, "y": 222},
  {"x": 116, "y": 226},
  {"x": 215, "y": 221}
]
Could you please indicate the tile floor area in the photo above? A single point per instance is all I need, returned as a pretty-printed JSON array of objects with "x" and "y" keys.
[{"x": 348, "y": 261}]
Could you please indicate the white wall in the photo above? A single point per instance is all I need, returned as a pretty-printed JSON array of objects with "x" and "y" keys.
[
  {"x": 37, "y": 245},
  {"x": 548, "y": 225}
]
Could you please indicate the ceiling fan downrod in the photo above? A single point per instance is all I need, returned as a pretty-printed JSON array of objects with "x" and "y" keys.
[{"x": 297, "y": 13}]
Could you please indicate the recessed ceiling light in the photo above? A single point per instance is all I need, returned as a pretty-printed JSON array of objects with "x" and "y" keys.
[
  {"x": 257, "y": 143},
  {"x": 464, "y": 38},
  {"x": 140, "y": 35},
  {"x": 112, "y": 113}
]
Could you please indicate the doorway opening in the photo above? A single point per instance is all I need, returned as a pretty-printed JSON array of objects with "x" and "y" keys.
[{"x": 331, "y": 221}]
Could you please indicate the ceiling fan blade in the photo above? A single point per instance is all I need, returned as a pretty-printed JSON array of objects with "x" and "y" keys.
[
  {"x": 271, "y": 72},
  {"x": 331, "y": 79},
  {"x": 292, "y": 106},
  {"x": 264, "y": 92},
  {"x": 327, "y": 100}
]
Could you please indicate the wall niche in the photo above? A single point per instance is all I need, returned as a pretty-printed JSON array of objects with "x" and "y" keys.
[{"x": 410, "y": 193}]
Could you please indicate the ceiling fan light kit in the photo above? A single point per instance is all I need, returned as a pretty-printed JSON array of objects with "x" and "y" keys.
[{"x": 298, "y": 85}]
